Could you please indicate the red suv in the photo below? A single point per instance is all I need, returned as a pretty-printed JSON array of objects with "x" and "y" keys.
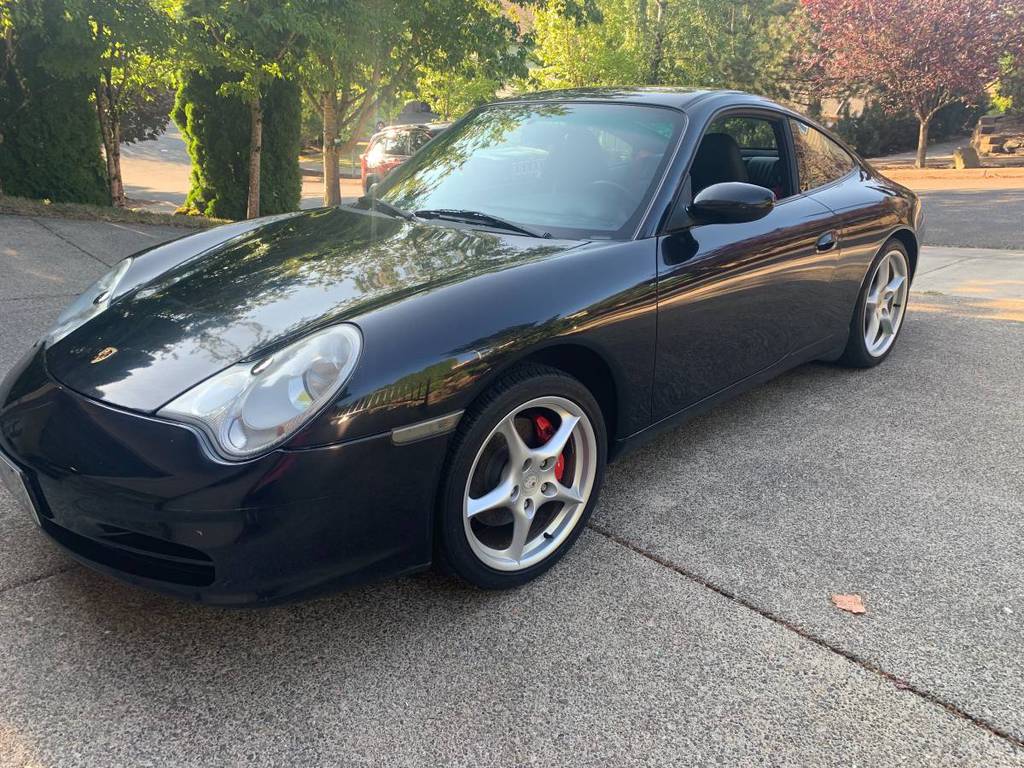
[{"x": 392, "y": 146}]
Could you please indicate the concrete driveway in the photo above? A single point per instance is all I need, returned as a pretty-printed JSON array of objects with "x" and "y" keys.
[{"x": 691, "y": 625}]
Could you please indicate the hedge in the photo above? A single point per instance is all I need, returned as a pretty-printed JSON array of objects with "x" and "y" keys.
[
  {"x": 49, "y": 134},
  {"x": 216, "y": 132}
]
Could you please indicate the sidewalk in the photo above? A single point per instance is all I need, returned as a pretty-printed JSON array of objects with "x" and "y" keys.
[{"x": 971, "y": 272}]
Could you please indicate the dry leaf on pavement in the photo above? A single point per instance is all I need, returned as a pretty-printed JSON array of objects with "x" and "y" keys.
[{"x": 849, "y": 603}]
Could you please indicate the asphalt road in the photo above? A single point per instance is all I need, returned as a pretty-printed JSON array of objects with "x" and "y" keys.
[
  {"x": 691, "y": 625},
  {"x": 156, "y": 175},
  {"x": 980, "y": 218}
]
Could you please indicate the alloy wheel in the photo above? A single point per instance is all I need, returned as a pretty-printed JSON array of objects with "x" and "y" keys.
[
  {"x": 530, "y": 483},
  {"x": 885, "y": 303}
]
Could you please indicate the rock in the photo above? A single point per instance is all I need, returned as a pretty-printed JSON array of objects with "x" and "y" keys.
[
  {"x": 966, "y": 157},
  {"x": 1014, "y": 145}
]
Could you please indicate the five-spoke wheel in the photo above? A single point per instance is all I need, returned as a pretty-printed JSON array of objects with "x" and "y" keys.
[
  {"x": 885, "y": 303},
  {"x": 524, "y": 475},
  {"x": 529, "y": 483},
  {"x": 880, "y": 309}
]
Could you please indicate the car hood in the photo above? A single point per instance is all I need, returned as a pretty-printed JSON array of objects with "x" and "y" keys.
[{"x": 263, "y": 288}]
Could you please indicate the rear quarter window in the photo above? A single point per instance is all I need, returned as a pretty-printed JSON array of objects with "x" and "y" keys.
[{"x": 819, "y": 160}]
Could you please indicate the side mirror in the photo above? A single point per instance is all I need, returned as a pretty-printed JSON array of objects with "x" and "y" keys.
[
  {"x": 372, "y": 190},
  {"x": 732, "y": 202}
]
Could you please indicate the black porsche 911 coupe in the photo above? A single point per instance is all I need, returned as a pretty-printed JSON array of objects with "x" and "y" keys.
[{"x": 440, "y": 371}]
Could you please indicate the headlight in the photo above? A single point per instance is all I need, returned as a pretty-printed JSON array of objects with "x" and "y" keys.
[
  {"x": 95, "y": 299},
  {"x": 252, "y": 407}
]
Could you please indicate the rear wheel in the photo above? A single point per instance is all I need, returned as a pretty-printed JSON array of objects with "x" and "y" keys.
[
  {"x": 881, "y": 307},
  {"x": 523, "y": 478}
]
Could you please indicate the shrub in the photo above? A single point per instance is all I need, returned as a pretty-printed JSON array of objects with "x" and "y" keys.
[
  {"x": 1009, "y": 95},
  {"x": 216, "y": 132},
  {"x": 877, "y": 132},
  {"x": 50, "y": 136}
]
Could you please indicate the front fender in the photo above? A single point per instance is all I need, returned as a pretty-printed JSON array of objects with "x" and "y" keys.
[{"x": 436, "y": 352}]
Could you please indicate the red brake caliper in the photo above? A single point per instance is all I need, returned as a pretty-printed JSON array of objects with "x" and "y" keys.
[{"x": 545, "y": 431}]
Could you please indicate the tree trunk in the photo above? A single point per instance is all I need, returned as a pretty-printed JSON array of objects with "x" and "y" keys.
[
  {"x": 371, "y": 100},
  {"x": 658, "y": 46},
  {"x": 110, "y": 129},
  {"x": 332, "y": 184},
  {"x": 922, "y": 140},
  {"x": 255, "y": 151}
]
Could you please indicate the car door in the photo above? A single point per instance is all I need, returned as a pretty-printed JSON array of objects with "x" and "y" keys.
[{"x": 737, "y": 298}]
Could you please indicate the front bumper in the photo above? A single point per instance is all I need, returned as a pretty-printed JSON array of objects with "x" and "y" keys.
[{"x": 139, "y": 498}]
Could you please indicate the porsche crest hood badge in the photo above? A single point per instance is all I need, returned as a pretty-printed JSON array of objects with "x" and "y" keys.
[{"x": 103, "y": 354}]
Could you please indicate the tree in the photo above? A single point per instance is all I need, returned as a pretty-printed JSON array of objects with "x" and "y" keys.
[
  {"x": 750, "y": 45},
  {"x": 49, "y": 142},
  {"x": 215, "y": 126},
  {"x": 575, "y": 52},
  {"x": 258, "y": 40},
  {"x": 352, "y": 76},
  {"x": 1009, "y": 91},
  {"x": 917, "y": 54},
  {"x": 453, "y": 93},
  {"x": 129, "y": 37},
  {"x": 746, "y": 44}
]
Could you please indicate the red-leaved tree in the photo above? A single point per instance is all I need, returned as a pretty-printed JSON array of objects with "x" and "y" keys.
[{"x": 916, "y": 54}]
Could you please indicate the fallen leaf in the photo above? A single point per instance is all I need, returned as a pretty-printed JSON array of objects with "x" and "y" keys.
[{"x": 849, "y": 603}]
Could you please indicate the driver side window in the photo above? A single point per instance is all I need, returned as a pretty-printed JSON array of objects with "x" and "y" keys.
[{"x": 745, "y": 149}]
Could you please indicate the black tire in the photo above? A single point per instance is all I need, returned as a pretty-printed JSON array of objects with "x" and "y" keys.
[
  {"x": 856, "y": 354},
  {"x": 523, "y": 384}
]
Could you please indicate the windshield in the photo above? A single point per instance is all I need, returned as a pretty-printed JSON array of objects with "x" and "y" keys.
[{"x": 575, "y": 170}]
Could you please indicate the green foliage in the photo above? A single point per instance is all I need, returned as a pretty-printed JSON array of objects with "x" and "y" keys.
[
  {"x": 574, "y": 55},
  {"x": 259, "y": 44},
  {"x": 1009, "y": 95},
  {"x": 458, "y": 52},
  {"x": 877, "y": 131},
  {"x": 281, "y": 177},
  {"x": 216, "y": 131},
  {"x": 48, "y": 129},
  {"x": 453, "y": 94},
  {"x": 746, "y": 44},
  {"x": 258, "y": 40},
  {"x": 132, "y": 39}
]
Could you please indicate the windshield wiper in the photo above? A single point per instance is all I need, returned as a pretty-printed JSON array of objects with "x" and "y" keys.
[
  {"x": 479, "y": 217},
  {"x": 376, "y": 204}
]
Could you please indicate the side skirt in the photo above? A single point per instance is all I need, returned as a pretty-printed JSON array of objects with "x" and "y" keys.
[{"x": 822, "y": 350}]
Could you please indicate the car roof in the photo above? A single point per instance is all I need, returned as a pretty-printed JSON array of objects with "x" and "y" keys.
[
  {"x": 660, "y": 96},
  {"x": 677, "y": 98}
]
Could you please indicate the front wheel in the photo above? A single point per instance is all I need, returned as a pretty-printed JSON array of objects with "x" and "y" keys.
[
  {"x": 881, "y": 307},
  {"x": 523, "y": 478}
]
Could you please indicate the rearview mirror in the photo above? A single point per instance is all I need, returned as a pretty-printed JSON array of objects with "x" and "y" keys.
[{"x": 732, "y": 202}]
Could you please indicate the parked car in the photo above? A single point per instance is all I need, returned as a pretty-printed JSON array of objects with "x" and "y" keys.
[
  {"x": 440, "y": 371},
  {"x": 391, "y": 147}
]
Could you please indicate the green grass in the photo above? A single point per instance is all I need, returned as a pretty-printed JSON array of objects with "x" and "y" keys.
[{"x": 21, "y": 206}]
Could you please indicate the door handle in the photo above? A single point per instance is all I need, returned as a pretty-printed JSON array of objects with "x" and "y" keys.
[{"x": 826, "y": 242}]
